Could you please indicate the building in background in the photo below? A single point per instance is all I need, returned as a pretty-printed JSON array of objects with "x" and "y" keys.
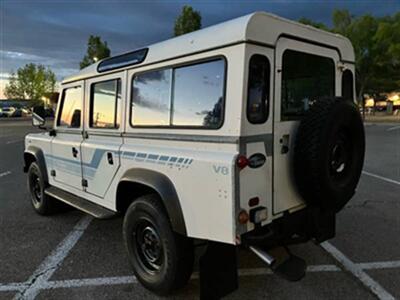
[{"x": 385, "y": 103}]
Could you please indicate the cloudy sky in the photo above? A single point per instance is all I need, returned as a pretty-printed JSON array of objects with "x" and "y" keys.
[{"x": 55, "y": 32}]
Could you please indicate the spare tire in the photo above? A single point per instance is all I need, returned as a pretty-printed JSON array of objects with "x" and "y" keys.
[{"x": 329, "y": 153}]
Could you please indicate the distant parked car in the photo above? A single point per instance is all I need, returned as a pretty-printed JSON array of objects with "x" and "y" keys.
[
  {"x": 26, "y": 111},
  {"x": 17, "y": 113},
  {"x": 8, "y": 111}
]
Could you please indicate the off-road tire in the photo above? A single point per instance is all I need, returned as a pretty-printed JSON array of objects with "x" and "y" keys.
[
  {"x": 329, "y": 153},
  {"x": 177, "y": 253},
  {"x": 41, "y": 203}
]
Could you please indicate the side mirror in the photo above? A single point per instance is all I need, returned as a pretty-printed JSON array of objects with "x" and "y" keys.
[{"x": 38, "y": 116}]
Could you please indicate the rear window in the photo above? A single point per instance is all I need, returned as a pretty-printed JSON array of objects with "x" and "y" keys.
[
  {"x": 305, "y": 79},
  {"x": 105, "y": 97},
  {"x": 198, "y": 93},
  {"x": 71, "y": 108},
  {"x": 258, "y": 89},
  {"x": 347, "y": 85},
  {"x": 186, "y": 96}
]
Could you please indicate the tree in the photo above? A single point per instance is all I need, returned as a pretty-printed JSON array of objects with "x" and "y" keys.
[
  {"x": 31, "y": 82},
  {"x": 189, "y": 20},
  {"x": 97, "y": 49},
  {"x": 376, "y": 42},
  {"x": 318, "y": 25},
  {"x": 341, "y": 20}
]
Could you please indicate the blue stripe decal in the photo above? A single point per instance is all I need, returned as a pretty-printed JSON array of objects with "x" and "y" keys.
[
  {"x": 153, "y": 156},
  {"x": 73, "y": 166}
]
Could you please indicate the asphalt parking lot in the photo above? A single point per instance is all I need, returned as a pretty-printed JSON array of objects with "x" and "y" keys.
[{"x": 72, "y": 256}]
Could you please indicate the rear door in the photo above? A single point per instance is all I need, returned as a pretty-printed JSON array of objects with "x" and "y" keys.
[
  {"x": 303, "y": 73},
  {"x": 103, "y": 132}
]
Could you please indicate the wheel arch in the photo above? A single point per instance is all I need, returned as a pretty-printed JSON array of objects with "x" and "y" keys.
[
  {"x": 31, "y": 154},
  {"x": 140, "y": 181}
]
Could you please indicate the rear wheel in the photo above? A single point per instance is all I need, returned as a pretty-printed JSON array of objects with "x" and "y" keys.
[
  {"x": 161, "y": 259},
  {"x": 42, "y": 203}
]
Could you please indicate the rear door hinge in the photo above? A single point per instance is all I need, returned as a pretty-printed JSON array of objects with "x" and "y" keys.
[{"x": 84, "y": 183}]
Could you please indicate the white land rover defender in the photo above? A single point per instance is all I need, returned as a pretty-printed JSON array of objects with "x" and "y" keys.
[{"x": 243, "y": 133}]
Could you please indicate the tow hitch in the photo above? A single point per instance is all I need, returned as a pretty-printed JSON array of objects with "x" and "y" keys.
[{"x": 282, "y": 262}]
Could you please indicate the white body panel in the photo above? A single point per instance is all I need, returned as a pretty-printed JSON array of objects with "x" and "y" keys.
[{"x": 203, "y": 177}]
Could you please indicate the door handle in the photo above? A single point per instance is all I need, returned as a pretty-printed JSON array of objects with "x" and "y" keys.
[
  {"x": 285, "y": 144},
  {"x": 110, "y": 158},
  {"x": 284, "y": 149},
  {"x": 74, "y": 152}
]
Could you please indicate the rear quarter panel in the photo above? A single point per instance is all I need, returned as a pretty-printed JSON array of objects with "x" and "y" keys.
[{"x": 202, "y": 175}]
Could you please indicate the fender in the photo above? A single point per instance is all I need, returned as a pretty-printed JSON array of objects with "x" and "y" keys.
[
  {"x": 37, "y": 153},
  {"x": 165, "y": 188}
]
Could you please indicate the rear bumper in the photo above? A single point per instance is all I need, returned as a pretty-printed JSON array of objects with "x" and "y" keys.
[{"x": 294, "y": 228}]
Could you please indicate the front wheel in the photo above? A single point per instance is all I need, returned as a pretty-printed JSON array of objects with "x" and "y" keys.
[
  {"x": 42, "y": 203},
  {"x": 161, "y": 259}
]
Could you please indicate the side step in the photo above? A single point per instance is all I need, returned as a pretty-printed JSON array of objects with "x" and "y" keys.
[
  {"x": 91, "y": 208},
  {"x": 282, "y": 262}
]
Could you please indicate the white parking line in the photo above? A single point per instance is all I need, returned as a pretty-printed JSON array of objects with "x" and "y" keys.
[
  {"x": 358, "y": 272},
  {"x": 90, "y": 282},
  {"x": 117, "y": 280},
  {"x": 42, "y": 274},
  {"x": 15, "y": 286},
  {"x": 5, "y": 173},
  {"x": 132, "y": 279},
  {"x": 71, "y": 283},
  {"x": 14, "y": 141},
  {"x": 267, "y": 271},
  {"x": 380, "y": 265},
  {"x": 310, "y": 269},
  {"x": 381, "y": 177},
  {"x": 393, "y": 128}
]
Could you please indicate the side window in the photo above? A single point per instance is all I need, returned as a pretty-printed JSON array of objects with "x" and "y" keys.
[
  {"x": 71, "y": 108},
  {"x": 347, "y": 85},
  {"x": 104, "y": 100},
  {"x": 151, "y": 98},
  {"x": 258, "y": 89},
  {"x": 183, "y": 96},
  {"x": 305, "y": 78},
  {"x": 198, "y": 94}
]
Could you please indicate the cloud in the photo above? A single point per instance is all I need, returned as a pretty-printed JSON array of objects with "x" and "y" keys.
[
  {"x": 12, "y": 60},
  {"x": 55, "y": 33},
  {"x": 5, "y": 76}
]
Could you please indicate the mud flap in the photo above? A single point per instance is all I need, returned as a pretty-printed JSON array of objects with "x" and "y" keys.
[
  {"x": 287, "y": 265},
  {"x": 323, "y": 224},
  {"x": 218, "y": 271}
]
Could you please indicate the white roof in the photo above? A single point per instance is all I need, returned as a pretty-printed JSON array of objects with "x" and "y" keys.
[{"x": 256, "y": 27}]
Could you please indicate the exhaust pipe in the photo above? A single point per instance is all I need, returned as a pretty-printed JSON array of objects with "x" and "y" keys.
[{"x": 268, "y": 259}]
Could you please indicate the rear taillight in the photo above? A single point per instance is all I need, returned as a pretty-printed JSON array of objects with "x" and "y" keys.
[{"x": 242, "y": 162}]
